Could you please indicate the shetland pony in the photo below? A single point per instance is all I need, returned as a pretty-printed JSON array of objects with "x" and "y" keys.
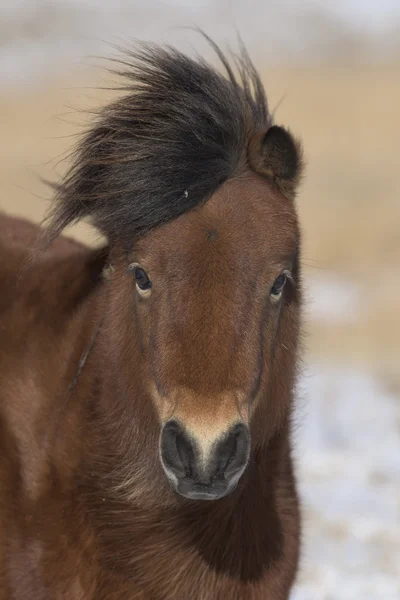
[{"x": 147, "y": 387}]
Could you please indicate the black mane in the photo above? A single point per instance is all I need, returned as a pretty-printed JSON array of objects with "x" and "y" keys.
[{"x": 179, "y": 132}]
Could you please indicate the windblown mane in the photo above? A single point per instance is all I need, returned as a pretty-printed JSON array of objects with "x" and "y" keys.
[{"x": 179, "y": 132}]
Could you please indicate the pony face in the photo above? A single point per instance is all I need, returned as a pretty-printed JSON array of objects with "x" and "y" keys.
[{"x": 209, "y": 294}]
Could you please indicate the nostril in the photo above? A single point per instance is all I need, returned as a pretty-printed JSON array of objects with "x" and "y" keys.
[
  {"x": 186, "y": 454},
  {"x": 233, "y": 452},
  {"x": 227, "y": 452},
  {"x": 176, "y": 450}
]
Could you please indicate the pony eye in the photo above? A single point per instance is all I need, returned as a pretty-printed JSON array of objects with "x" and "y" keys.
[
  {"x": 143, "y": 281},
  {"x": 277, "y": 287}
]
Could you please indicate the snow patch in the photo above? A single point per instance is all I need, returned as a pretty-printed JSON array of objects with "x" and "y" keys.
[{"x": 347, "y": 444}]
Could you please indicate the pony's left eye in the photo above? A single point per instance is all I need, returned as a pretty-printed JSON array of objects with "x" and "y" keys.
[
  {"x": 143, "y": 281},
  {"x": 277, "y": 287}
]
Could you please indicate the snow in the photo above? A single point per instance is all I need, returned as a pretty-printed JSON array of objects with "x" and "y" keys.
[
  {"x": 347, "y": 448},
  {"x": 347, "y": 439}
]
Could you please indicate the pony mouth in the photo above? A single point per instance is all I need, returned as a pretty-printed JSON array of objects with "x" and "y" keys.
[{"x": 193, "y": 490}]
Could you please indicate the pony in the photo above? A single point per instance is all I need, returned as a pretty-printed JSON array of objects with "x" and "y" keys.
[{"x": 147, "y": 386}]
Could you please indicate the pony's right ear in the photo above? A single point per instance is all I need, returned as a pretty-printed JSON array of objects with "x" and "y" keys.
[{"x": 277, "y": 155}]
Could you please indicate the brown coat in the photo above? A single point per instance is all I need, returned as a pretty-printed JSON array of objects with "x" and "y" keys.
[{"x": 91, "y": 369}]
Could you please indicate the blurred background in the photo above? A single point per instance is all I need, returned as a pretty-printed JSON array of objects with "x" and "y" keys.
[{"x": 332, "y": 74}]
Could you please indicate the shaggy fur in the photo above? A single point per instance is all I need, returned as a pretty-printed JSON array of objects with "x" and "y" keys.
[{"x": 187, "y": 178}]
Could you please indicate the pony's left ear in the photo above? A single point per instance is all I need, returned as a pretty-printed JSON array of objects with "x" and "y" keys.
[{"x": 278, "y": 156}]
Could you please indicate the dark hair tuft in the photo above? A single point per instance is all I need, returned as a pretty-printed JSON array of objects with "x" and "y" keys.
[{"x": 180, "y": 131}]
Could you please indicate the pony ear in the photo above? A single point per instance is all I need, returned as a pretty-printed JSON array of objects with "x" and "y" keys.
[{"x": 278, "y": 156}]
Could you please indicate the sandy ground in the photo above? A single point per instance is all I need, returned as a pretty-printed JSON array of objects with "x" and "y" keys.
[{"x": 348, "y": 430}]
